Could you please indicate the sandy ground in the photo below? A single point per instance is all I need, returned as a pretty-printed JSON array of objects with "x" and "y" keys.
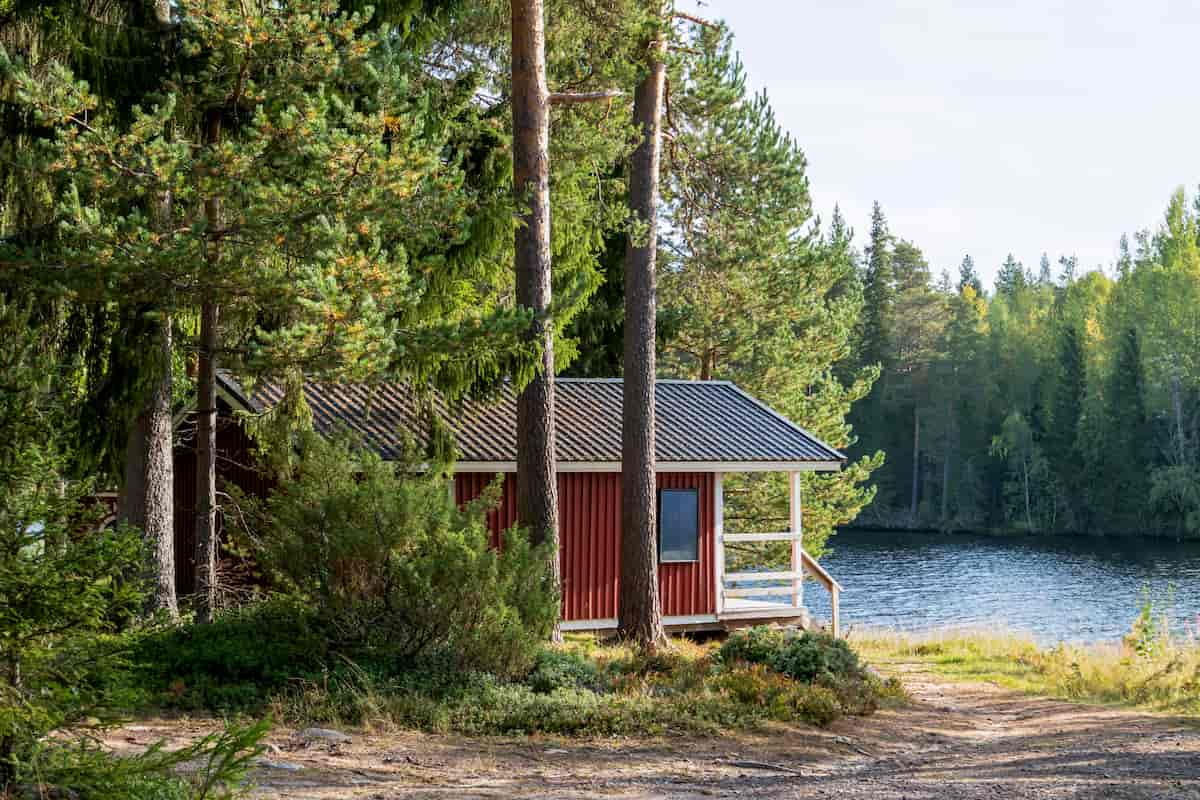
[{"x": 955, "y": 741}]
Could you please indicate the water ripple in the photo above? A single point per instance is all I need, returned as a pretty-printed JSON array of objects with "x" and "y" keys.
[{"x": 1057, "y": 588}]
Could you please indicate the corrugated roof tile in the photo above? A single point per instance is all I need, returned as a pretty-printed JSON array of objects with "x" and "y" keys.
[{"x": 696, "y": 421}]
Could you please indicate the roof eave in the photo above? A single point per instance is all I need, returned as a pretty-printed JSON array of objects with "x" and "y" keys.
[{"x": 662, "y": 466}]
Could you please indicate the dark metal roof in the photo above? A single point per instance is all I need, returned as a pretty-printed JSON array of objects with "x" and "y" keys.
[{"x": 697, "y": 422}]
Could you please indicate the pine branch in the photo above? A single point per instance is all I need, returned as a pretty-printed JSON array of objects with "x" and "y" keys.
[
  {"x": 569, "y": 98},
  {"x": 697, "y": 20}
]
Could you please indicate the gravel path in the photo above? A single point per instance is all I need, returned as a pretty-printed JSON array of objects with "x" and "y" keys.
[{"x": 956, "y": 741}]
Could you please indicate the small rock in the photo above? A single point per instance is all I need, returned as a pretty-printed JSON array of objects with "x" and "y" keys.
[{"x": 324, "y": 734}]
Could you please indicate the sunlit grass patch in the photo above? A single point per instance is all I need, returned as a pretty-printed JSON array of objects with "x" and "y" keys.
[{"x": 1152, "y": 667}]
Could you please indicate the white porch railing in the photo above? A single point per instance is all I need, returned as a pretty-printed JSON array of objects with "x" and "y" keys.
[{"x": 789, "y": 583}]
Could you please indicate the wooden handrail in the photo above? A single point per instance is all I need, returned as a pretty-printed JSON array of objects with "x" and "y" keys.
[{"x": 835, "y": 589}]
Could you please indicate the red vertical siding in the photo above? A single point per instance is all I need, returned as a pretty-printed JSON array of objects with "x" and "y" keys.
[
  {"x": 470, "y": 485},
  {"x": 689, "y": 588},
  {"x": 590, "y": 534}
]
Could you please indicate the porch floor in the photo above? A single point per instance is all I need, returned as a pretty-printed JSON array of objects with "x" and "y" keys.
[{"x": 745, "y": 608}]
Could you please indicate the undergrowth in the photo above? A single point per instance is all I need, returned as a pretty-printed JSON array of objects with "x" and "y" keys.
[
  {"x": 588, "y": 688},
  {"x": 583, "y": 687}
]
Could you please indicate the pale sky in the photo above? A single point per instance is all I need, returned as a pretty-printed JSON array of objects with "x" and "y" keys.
[{"x": 984, "y": 127}]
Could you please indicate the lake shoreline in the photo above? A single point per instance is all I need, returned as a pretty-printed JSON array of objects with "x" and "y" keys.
[{"x": 1017, "y": 533}]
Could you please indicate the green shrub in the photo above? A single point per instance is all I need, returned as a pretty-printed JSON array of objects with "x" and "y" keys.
[
  {"x": 395, "y": 570},
  {"x": 817, "y": 704},
  {"x": 816, "y": 656},
  {"x": 215, "y": 767},
  {"x": 806, "y": 656},
  {"x": 757, "y": 645},
  {"x": 236, "y": 660},
  {"x": 827, "y": 668},
  {"x": 561, "y": 669}
]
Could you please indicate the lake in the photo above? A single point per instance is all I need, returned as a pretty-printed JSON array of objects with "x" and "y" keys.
[{"x": 1057, "y": 588}]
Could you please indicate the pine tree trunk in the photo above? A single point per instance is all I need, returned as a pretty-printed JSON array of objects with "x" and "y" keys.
[
  {"x": 537, "y": 490},
  {"x": 147, "y": 500},
  {"x": 206, "y": 465},
  {"x": 207, "y": 545},
  {"x": 639, "y": 608},
  {"x": 916, "y": 466}
]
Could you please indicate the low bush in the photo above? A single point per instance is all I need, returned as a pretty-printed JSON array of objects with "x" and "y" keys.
[
  {"x": 826, "y": 663},
  {"x": 394, "y": 570},
  {"x": 562, "y": 669},
  {"x": 235, "y": 662},
  {"x": 580, "y": 689}
]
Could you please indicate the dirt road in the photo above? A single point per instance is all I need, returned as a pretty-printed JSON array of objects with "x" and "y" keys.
[{"x": 956, "y": 741}]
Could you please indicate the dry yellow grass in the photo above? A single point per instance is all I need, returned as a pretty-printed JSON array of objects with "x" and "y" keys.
[{"x": 1150, "y": 668}]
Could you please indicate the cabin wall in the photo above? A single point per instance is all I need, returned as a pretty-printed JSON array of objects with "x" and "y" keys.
[{"x": 590, "y": 541}]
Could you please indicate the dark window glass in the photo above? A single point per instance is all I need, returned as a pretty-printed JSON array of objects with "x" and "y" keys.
[{"x": 679, "y": 525}]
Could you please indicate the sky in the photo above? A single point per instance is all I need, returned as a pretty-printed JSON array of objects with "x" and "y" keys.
[{"x": 1026, "y": 126}]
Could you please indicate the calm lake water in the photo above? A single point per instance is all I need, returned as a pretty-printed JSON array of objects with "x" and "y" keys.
[{"x": 1057, "y": 588}]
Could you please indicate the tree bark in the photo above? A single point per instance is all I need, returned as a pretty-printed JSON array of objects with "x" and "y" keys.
[
  {"x": 206, "y": 411},
  {"x": 639, "y": 608},
  {"x": 708, "y": 364},
  {"x": 916, "y": 466},
  {"x": 537, "y": 489},
  {"x": 148, "y": 501}
]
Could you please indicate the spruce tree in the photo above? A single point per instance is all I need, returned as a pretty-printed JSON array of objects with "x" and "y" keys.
[
  {"x": 1044, "y": 277},
  {"x": 1129, "y": 454},
  {"x": 967, "y": 276},
  {"x": 879, "y": 294},
  {"x": 750, "y": 289},
  {"x": 1062, "y": 437},
  {"x": 1011, "y": 278}
]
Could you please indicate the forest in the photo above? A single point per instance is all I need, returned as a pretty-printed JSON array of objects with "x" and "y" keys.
[
  {"x": 1061, "y": 400},
  {"x": 331, "y": 191},
  {"x": 464, "y": 198}
]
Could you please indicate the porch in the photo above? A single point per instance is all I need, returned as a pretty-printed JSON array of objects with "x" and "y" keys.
[{"x": 745, "y": 598}]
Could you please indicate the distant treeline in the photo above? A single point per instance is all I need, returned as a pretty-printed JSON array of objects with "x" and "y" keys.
[{"x": 1059, "y": 402}]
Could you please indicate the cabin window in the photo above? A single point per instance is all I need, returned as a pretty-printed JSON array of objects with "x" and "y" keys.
[{"x": 678, "y": 525}]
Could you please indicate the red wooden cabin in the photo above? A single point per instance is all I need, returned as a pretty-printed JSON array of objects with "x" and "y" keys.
[{"x": 705, "y": 430}]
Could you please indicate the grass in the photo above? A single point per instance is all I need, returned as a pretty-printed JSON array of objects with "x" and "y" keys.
[
  {"x": 587, "y": 688},
  {"x": 1152, "y": 668}
]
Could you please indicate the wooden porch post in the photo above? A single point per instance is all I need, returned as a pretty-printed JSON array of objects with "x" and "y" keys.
[
  {"x": 719, "y": 538},
  {"x": 797, "y": 530}
]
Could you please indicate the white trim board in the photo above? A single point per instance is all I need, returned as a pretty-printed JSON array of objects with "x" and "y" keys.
[
  {"x": 610, "y": 624},
  {"x": 662, "y": 466}
]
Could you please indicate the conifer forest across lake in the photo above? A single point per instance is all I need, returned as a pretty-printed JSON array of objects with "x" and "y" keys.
[{"x": 1057, "y": 588}]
